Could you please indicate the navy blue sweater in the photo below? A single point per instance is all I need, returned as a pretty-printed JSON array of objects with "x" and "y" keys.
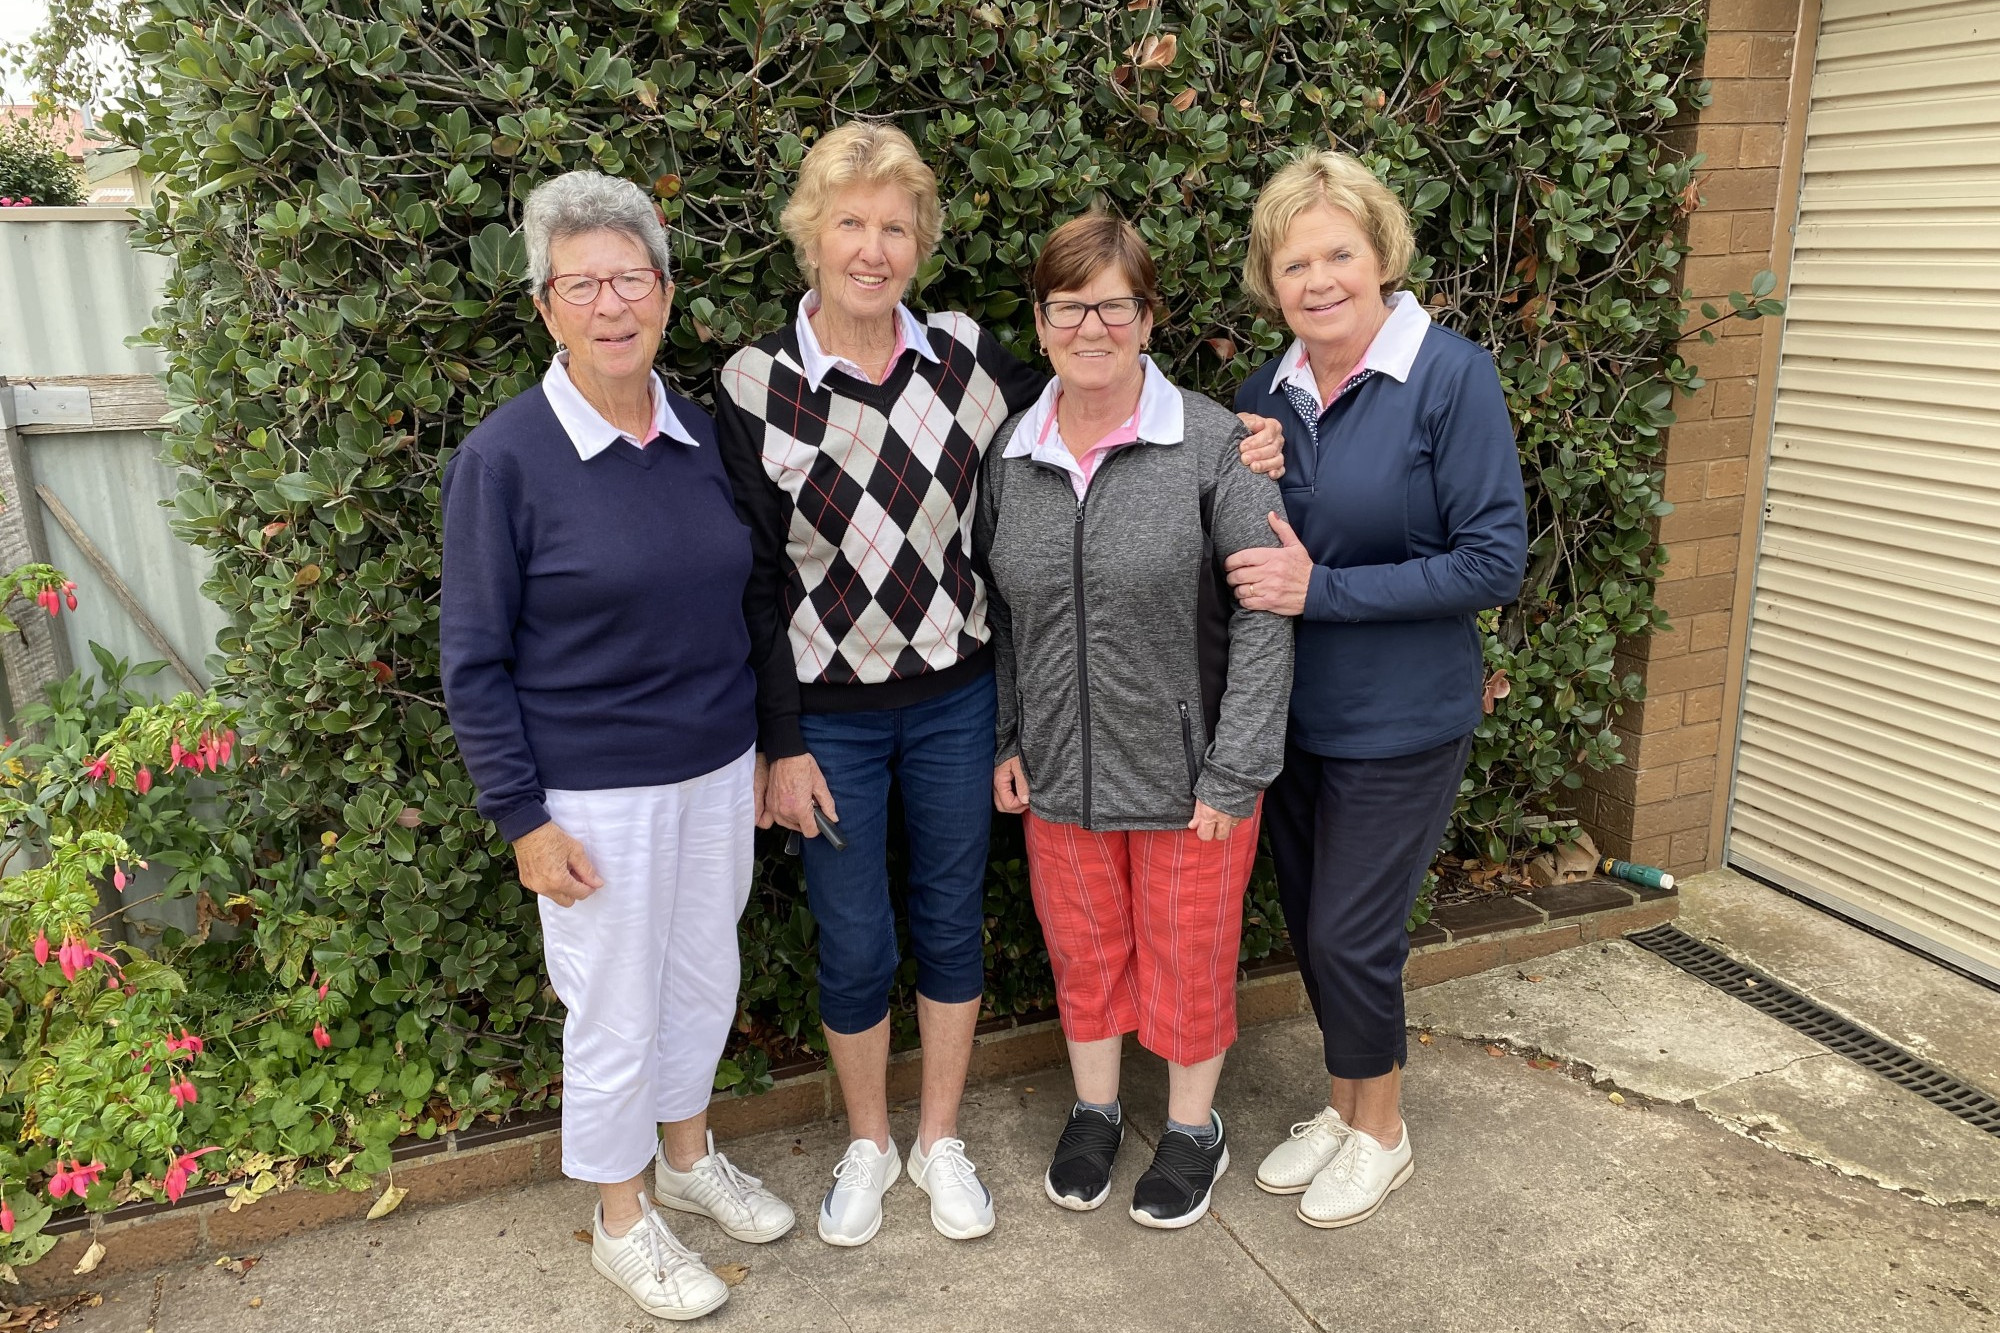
[
  {"x": 592, "y": 620},
  {"x": 1412, "y": 508}
]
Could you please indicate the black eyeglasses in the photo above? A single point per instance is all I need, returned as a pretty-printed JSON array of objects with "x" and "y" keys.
[
  {"x": 1114, "y": 314},
  {"x": 582, "y": 289}
]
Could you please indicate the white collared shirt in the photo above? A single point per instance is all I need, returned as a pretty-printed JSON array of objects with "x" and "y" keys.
[
  {"x": 819, "y": 363},
  {"x": 1161, "y": 420},
  {"x": 1392, "y": 352},
  {"x": 586, "y": 426}
]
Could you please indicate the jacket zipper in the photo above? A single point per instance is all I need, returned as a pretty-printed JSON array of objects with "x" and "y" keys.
[
  {"x": 1082, "y": 652},
  {"x": 1187, "y": 744}
]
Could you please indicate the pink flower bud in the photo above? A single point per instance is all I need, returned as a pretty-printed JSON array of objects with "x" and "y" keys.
[
  {"x": 142, "y": 782},
  {"x": 41, "y": 949},
  {"x": 118, "y": 879},
  {"x": 69, "y": 595},
  {"x": 6, "y": 1218},
  {"x": 320, "y": 1039}
]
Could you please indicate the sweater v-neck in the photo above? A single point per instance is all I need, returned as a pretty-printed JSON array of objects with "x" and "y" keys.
[{"x": 882, "y": 395}]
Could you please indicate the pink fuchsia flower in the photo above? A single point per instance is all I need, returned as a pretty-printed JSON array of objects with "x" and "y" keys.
[
  {"x": 187, "y": 1041},
  {"x": 98, "y": 767},
  {"x": 41, "y": 948},
  {"x": 47, "y": 600},
  {"x": 142, "y": 781},
  {"x": 184, "y": 1172},
  {"x": 184, "y": 1093},
  {"x": 77, "y": 1180},
  {"x": 175, "y": 754},
  {"x": 77, "y": 957},
  {"x": 6, "y": 1219},
  {"x": 69, "y": 594},
  {"x": 118, "y": 878},
  {"x": 320, "y": 1039}
]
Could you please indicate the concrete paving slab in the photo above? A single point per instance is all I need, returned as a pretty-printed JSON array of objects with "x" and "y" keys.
[
  {"x": 1536, "y": 1205},
  {"x": 1927, "y": 1009},
  {"x": 1638, "y": 1021}
]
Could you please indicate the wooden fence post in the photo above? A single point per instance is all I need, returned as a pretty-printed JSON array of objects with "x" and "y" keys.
[{"x": 39, "y": 655}]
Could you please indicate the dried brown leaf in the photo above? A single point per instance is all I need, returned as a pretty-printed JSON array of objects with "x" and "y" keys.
[
  {"x": 732, "y": 1274},
  {"x": 92, "y": 1257},
  {"x": 1495, "y": 1050},
  {"x": 1154, "y": 52},
  {"x": 581, "y": 1235},
  {"x": 1184, "y": 99},
  {"x": 386, "y": 1203},
  {"x": 1423, "y": 1039}
]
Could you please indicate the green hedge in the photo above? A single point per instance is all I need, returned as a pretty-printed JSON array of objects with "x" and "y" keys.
[{"x": 346, "y": 304}]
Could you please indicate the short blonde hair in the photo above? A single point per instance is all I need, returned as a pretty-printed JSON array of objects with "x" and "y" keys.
[
  {"x": 1327, "y": 177},
  {"x": 867, "y": 154}
]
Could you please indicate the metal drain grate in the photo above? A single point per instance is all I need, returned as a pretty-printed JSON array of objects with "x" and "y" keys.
[{"x": 1830, "y": 1030}]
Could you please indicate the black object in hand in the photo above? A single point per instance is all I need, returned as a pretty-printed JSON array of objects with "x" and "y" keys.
[{"x": 828, "y": 829}]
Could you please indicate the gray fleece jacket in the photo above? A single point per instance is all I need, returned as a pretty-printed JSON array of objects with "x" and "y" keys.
[{"x": 1130, "y": 682}]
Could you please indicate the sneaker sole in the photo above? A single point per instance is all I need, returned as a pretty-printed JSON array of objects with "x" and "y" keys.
[
  {"x": 1269, "y": 1188},
  {"x": 1193, "y": 1215},
  {"x": 694, "y": 1313},
  {"x": 1337, "y": 1223},
  {"x": 763, "y": 1237},
  {"x": 850, "y": 1241},
  {"x": 1070, "y": 1201}
]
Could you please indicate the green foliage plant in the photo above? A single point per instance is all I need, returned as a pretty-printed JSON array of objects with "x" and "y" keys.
[
  {"x": 345, "y": 181},
  {"x": 34, "y": 169}
]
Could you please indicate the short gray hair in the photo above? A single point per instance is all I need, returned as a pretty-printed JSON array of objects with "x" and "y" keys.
[{"x": 577, "y": 202}]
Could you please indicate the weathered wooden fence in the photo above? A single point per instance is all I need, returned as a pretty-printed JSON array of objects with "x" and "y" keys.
[{"x": 81, "y": 470}]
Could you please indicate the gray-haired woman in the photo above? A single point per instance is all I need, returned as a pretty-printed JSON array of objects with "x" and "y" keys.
[{"x": 596, "y": 669}]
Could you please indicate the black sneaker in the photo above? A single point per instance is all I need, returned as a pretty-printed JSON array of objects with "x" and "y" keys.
[
  {"x": 1174, "y": 1191},
  {"x": 1079, "y": 1175}
]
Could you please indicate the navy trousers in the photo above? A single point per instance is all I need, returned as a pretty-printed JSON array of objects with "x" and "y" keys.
[{"x": 1352, "y": 840}]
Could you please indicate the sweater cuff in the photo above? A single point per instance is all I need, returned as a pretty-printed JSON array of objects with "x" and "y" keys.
[
  {"x": 519, "y": 823},
  {"x": 1226, "y": 792},
  {"x": 1320, "y": 597},
  {"x": 781, "y": 738}
]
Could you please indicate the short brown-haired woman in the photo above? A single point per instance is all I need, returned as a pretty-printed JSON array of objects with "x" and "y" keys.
[{"x": 1141, "y": 711}]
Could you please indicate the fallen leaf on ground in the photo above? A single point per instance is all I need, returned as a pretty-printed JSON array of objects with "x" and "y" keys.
[
  {"x": 581, "y": 1235},
  {"x": 1617, "y": 1099},
  {"x": 1027, "y": 1090},
  {"x": 732, "y": 1274},
  {"x": 386, "y": 1204},
  {"x": 1423, "y": 1039},
  {"x": 256, "y": 1302},
  {"x": 1543, "y": 1062},
  {"x": 1495, "y": 1050},
  {"x": 91, "y": 1258},
  {"x": 238, "y": 1266},
  {"x": 797, "y": 1151},
  {"x": 1532, "y": 977}
]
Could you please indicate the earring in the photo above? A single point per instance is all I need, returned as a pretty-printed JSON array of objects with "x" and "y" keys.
[{"x": 561, "y": 346}]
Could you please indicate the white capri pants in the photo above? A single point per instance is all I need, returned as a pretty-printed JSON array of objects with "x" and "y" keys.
[{"x": 647, "y": 965}]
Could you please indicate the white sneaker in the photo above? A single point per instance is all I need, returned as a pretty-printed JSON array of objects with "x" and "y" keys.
[
  {"x": 665, "y": 1277},
  {"x": 851, "y": 1213},
  {"x": 1291, "y": 1166},
  {"x": 713, "y": 1187},
  {"x": 1354, "y": 1184},
  {"x": 961, "y": 1205}
]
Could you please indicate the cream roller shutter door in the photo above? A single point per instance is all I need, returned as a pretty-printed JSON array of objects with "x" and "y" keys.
[{"x": 1868, "y": 759}]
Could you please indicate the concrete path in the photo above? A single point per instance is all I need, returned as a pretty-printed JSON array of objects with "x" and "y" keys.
[{"x": 1538, "y": 1204}]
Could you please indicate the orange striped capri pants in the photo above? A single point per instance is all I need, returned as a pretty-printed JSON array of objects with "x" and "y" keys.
[{"x": 1142, "y": 929}]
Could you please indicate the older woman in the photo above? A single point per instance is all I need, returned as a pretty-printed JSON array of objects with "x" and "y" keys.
[
  {"x": 1403, "y": 495},
  {"x": 583, "y": 519},
  {"x": 1141, "y": 709},
  {"x": 854, "y": 436}
]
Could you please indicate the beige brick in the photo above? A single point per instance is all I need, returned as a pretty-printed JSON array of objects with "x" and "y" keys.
[
  {"x": 1692, "y": 597},
  {"x": 1428, "y": 969},
  {"x": 1735, "y": 397},
  {"x": 1696, "y": 406},
  {"x": 141, "y": 1245},
  {"x": 1717, "y": 555},
  {"x": 1688, "y": 851},
  {"x": 1669, "y": 642},
  {"x": 1725, "y": 358},
  {"x": 1753, "y": 16},
  {"x": 1685, "y": 482},
  {"x": 1690, "y": 671},
  {"x": 1728, "y": 56},
  {"x": 1673, "y": 747},
  {"x": 1656, "y": 712},
  {"x": 1670, "y": 817},
  {"x": 1749, "y": 102},
  {"x": 1710, "y": 233},
  {"x": 1761, "y": 146},
  {"x": 1649, "y": 850},
  {"x": 1640, "y": 786},
  {"x": 1770, "y": 55},
  {"x": 1750, "y": 233},
  {"x": 1719, "y": 275},
  {"x": 450, "y": 1177},
  {"x": 1702, "y": 705},
  {"x": 1680, "y": 564},
  {"x": 1703, "y": 441},
  {"x": 1709, "y": 630},
  {"x": 1702, "y": 519},
  {"x": 1718, "y": 145},
  {"x": 1726, "y": 478},
  {"x": 1020, "y": 1051},
  {"x": 1696, "y": 775}
]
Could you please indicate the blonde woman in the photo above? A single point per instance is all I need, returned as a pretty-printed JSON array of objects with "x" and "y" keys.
[
  {"x": 1404, "y": 518},
  {"x": 854, "y": 436}
]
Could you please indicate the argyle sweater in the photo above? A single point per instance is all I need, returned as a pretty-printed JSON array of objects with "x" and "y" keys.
[{"x": 858, "y": 497}]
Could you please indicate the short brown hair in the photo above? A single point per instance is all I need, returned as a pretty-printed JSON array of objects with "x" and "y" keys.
[
  {"x": 1084, "y": 247},
  {"x": 1327, "y": 177},
  {"x": 864, "y": 153}
]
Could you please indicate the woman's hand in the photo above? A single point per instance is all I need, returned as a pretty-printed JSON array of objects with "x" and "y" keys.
[
  {"x": 795, "y": 788},
  {"x": 1210, "y": 824},
  {"x": 555, "y": 865},
  {"x": 1010, "y": 787},
  {"x": 1263, "y": 449},
  {"x": 760, "y": 786},
  {"x": 1272, "y": 578}
]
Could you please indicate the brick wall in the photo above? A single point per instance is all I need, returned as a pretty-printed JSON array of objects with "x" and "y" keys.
[{"x": 1662, "y": 808}]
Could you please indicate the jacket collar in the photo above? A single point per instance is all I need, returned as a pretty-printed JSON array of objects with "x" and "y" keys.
[
  {"x": 1393, "y": 352},
  {"x": 1161, "y": 419}
]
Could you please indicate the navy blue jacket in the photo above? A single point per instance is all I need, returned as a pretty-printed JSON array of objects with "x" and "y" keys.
[
  {"x": 1412, "y": 508},
  {"x": 592, "y": 615}
]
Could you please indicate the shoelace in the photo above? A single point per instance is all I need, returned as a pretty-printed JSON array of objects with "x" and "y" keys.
[
  {"x": 1327, "y": 1118},
  {"x": 664, "y": 1250},
  {"x": 1347, "y": 1162},
  {"x": 854, "y": 1169},
  {"x": 949, "y": 1156},
  {"x": 736, "y": 1184}
]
